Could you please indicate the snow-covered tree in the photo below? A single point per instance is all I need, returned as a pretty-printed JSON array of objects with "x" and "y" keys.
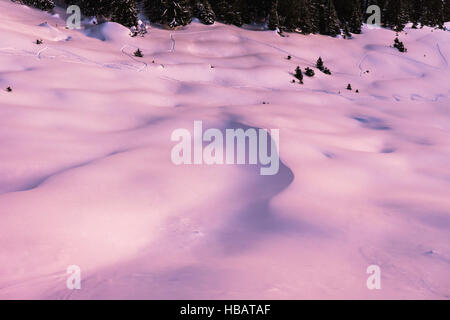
[
  {"x": 171, "y": 13},
  {"x": 202, "y": 10},
  {"x": 176, "y": 13}
]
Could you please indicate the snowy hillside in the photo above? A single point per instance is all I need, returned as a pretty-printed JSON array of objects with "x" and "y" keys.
[{"x": 86, "y": 176}]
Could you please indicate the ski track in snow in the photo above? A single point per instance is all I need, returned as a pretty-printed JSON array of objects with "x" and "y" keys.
[
  {"x": 145, "y": 65},
  {"x": 173, "y": 41},
  {"x": 442, "y": 55}
]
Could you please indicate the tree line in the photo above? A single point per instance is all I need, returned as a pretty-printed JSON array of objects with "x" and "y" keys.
[{"x": 329, "y": 17}]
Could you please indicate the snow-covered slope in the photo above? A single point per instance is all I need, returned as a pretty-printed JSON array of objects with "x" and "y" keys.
[{"x": 86, "y": 177}]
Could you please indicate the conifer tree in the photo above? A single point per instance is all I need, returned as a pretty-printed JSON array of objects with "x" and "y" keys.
[
  {"x": 202, "y": 10},
  {"x": 307, "y": 16},
  {"x": 319, "y": 64},
  {"x": 306, "y": 12},
  {"x": 124, "y": 12},
  {"x": 346, "y": 31},
  {"x": 138, "y": 53},
  {"x": 45, "y": 5},
  {"x": 309, "y": 72},
  {"x": 93, "y": 8},
  {"x": 228, "y": 11},
  {"x": 355, "y": 20},
  {"x": 415, "y": 12},
  {"x": 327, "y": 17},
  {"x": 274, "y": 21},
  {"x": 249, "y": 10},
  {"x": 396, "y": 14},
  {"x": 153, "y": 10},
  {"x": 399, "y": 45},
  {"x": 350, "y": 14},
  {"x": 299, "y": 74},
  {"x": 289, "y": 14},
  {"x": 120, "y": 11},
  {"x": 446, "y": 10},
  {"x": 171, "y": 13},
  {"x": 433, "y": 13}
]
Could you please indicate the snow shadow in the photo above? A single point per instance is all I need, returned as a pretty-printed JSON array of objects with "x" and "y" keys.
[
  {"x": 258, "y": 220},
  {"x": 371, "y": 123}
]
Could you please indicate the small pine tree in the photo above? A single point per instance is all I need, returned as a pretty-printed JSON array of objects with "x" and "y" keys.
[
  {"x": 138, "y": 53},
  {"x": 39, "y": 41},
  {"x": 349, "y": 87},
  {"x": 319, "y": 64},
  {"x": 9, "y": 89},
  {"x": 309, "y": 72},
  {"x": 399, "y": 45},
  {"x": 299, "y": 74}
]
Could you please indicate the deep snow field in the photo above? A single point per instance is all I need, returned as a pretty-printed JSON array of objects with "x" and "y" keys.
[{"x": 86, "y": 176}]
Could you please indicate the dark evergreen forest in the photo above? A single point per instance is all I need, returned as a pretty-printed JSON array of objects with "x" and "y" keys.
[{"x": 329, "y": 17}]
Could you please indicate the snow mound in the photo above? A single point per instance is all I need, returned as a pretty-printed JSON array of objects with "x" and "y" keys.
[
  {"x": 108, "y": 31},
  {"x": 48, "y": 32}
]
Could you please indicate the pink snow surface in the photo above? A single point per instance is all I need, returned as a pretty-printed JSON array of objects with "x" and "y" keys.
[{"x": 86, "y": 177}]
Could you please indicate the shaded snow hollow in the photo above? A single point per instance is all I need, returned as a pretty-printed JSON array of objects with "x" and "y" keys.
[{"x": 86, "y": 177}]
